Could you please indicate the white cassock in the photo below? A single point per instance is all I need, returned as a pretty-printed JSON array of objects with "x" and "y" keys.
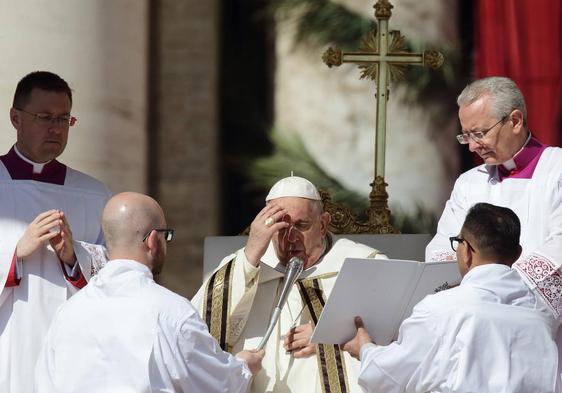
[
  {"x": 26, "y": 310},
  {"x": 491, "y": 334},
  {"x": 125, "y": 333},
  {"x": 237, "y": 300},
  {"x": 537, "y": 201}
]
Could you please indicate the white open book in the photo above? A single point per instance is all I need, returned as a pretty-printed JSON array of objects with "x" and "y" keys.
[{"x": 383, "y": 293}]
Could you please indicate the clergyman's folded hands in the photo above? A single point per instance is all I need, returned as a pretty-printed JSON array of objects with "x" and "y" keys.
[{"x": 49, "y": 226}]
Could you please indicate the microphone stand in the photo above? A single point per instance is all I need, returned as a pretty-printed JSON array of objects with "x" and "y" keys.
[{"x": 294, "y": 269}]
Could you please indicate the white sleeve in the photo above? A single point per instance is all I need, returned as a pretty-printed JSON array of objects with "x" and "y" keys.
[
  {"x": 541, "y": 268},
  {"x": 45, "y": 375},
  {"x": 390, "y": 369},
  {"x": 552, "y": 246},
  {"x": 450, "y": 223},
  {"x": 203, "y": 366}
]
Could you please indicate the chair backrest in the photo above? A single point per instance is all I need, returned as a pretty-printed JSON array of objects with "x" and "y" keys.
[{"x": 395, "y": 246}]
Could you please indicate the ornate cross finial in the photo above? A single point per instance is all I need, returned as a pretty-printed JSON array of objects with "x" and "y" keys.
[{"x": 383, "y": 9}]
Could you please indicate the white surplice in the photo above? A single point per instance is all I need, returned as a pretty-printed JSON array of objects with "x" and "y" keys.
[
  {"x": 125, "y": 333},
  {"x": 26, "y": 310},
  {"x": 491, "y": 334},
  {"x": 254, "y": 292},
  {"x": 538, "y": 204}
]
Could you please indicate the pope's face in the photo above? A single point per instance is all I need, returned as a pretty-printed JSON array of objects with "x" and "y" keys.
[
  {"x": 304, "y": 238},
  {"x": 502, "y": 140},
  {"x": 39, "y": 142}
]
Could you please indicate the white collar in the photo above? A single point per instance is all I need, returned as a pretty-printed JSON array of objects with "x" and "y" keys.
[
  {"x": 510, "y": 164},
  {"x": 37, "y": 168}
]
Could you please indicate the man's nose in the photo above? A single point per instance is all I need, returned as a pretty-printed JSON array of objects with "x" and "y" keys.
[
  {"x": 293, "y": 235},
  {"x": 55, "y": 128},
  {"x": 473, "y": 145}
]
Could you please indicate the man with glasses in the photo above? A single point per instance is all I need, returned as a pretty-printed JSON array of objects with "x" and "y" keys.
[
  {"x": 49, "y": 219},
  {"x": 491, "y": 334},
  {"x": 519, "y": 172},
  {"x": 125, "y": 333},
  {"x": 238, "y": 298}
]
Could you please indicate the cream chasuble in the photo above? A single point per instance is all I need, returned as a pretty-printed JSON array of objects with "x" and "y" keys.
[
  {"x": 237, "y": 300},
  {"x": 26, "y": 310}
]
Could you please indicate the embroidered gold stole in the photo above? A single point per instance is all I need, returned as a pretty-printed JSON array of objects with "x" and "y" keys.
[{"x": 217, "y": 304}]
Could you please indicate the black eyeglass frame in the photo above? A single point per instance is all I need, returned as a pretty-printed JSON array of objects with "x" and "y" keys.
[
  {"x": 459, "y": 240},
  {"x": 168, "y": 233}
]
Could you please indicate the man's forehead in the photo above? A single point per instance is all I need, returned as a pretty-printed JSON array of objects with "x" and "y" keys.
[
  {"x": 49, "y": 100},
  {"x": 476, "y": 114},
  {"x": 478, "y": 107},
  {"x": 293, "y": 203}
]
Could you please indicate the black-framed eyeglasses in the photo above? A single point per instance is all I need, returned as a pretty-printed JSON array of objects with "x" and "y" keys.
[
  {"x": 45, "y": 119},
  {"x": 477, "y": 136},
  {"x": 168, "y": 233},
  {"x": 456, "y": 240}
]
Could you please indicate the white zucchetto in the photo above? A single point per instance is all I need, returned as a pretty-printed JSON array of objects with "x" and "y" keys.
[{"x": 293, "y": 186}]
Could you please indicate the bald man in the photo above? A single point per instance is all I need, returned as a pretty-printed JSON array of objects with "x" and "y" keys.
[{"x": 125, "y": 333}]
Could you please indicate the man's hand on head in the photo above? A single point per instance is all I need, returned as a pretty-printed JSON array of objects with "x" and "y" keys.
[
  {"x": 62, "y": 243},
  {"x": 265, "y": 225},
  {"x": 42, "y": 229},
  {"x": 297, "y": 341},
  {"x": 361, "y": 338}
]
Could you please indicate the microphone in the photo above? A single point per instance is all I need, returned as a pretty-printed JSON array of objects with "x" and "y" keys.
[{"x": 294, "y": 269}]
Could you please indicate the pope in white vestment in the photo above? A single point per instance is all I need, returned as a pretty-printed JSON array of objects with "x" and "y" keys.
[
  {"x": 491, "y": 334},
  {"x": 238, "y": 298},
  {"x": 134, "y": 336}
]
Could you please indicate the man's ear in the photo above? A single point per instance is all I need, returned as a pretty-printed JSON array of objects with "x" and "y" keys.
[
  {"x": 464, "y": 255},
  {"x": 516, "y": 119},
  {"x": 15, "y": 118},
  {"x": 325, "y": 219},
  {"x": 467, "y": 256},
  {"x": 152, "y": 241}
]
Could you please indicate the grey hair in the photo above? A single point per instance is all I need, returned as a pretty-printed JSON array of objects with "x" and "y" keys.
[{"x": 504, "y": 94}]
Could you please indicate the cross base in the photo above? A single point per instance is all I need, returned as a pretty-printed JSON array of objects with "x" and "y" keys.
[{"x": 344, "y": 220}]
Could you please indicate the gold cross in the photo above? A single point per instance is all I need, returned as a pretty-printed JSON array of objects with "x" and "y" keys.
[{"x": 382, "y": 58}]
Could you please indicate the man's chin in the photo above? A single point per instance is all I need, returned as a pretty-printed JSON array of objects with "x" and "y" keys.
[{"x": 490, "y": 159}]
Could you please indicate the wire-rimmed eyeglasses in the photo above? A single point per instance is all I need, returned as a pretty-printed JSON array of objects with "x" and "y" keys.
[
  {"x": 456, "y": 240},
  {"x": 45, "y": 119},
  {"x": 168, "y": 233},
  {"x": 477, "y": 136}
]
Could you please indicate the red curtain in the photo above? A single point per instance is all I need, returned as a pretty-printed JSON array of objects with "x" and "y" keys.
[{"x": 521, "y": 39}]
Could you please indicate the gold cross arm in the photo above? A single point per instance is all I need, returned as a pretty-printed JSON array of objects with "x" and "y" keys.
[{"x": 430, "y": 58}]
